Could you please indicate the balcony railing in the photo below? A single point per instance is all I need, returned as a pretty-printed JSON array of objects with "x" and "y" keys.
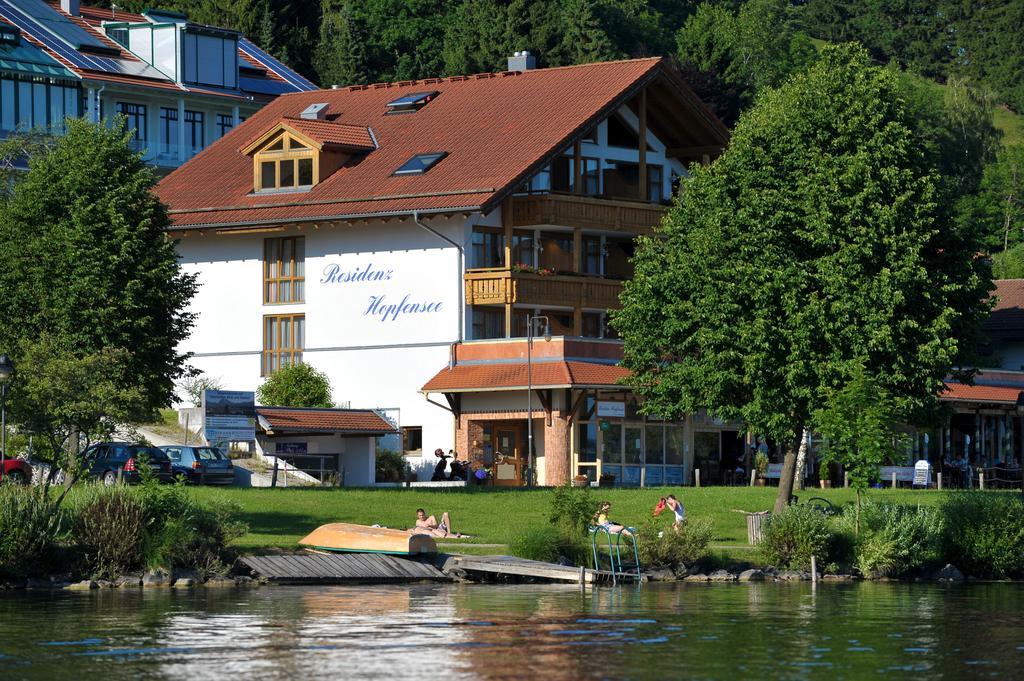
[
  {"x": 570, "y": 210},
  {"x": 502, "y": 286}
]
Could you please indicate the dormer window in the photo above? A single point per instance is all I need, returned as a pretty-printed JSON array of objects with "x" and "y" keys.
[
  {"x": 286, "y": 164},
  {"x": 297, "y": 153}
]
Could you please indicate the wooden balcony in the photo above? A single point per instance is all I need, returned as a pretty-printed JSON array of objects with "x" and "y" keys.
[
  {"x": 502, "y": 286},
  {"x": 587, "y": 212}
]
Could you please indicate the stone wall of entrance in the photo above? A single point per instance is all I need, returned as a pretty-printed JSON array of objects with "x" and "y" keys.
[{"x": 469, "y": 438}]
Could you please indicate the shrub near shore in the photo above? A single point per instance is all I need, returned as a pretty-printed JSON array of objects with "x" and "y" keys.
[
  {"x": 30, "y": 526},
  {"x": 981, "y": 533},
  {"x": 106, "y": 532},
  {"x": 984, "y": 534}
]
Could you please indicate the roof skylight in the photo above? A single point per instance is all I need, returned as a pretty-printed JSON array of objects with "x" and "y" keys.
[
  {"x": 420, "y": 163},
  {"x": 411, "y": 102}
]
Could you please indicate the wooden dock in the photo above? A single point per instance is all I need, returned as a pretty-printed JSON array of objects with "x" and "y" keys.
[
  {"x": 315, "y": 567},
  {"x": 504, "y": 567},
  {"x": 342, "y": 568}
]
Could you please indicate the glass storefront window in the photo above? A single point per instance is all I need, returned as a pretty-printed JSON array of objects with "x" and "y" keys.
[
  {"x": 633, "y": 440},
  {"x": 587, "y": 446},
  {"x": 674, "y": 442},
  {"x": 630, "y": 476},
  {"x": 611, "y": 442},
  {"x": 654, "y": 446},
  {"x": 706, "y": 455}
]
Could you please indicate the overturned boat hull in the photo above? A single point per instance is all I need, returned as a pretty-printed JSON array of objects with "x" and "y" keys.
[{"x": 364, "y": 539}]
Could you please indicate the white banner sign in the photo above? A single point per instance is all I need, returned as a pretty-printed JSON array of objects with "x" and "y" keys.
[
  {"x": 389, "y": 298},
  {"x": 611, "y": 410}
]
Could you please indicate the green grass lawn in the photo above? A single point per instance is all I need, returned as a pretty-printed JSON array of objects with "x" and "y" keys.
[{"x": 280, "y": 517}]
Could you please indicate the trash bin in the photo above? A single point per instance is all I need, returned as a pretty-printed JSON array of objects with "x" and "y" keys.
[{"x": 755, "y": 524}]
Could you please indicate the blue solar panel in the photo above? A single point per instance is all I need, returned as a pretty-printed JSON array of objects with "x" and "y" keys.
[
  {"x": 57, "y": 24},
  {"x": 264, "y": 86},
  {"x": 58, "y": 47},
  {"x": 64, "y": 51},
  {"x": 290, "y": 76}
]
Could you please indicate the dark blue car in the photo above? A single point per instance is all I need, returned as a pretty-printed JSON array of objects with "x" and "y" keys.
[
  {"x": 199, "y": 464},
  {"x": 111, "y": 462}
]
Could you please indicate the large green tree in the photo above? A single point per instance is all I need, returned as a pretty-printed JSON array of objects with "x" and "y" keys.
[
  {"x": 817, "y": 242},
  {"x": 86, "y": 264}
]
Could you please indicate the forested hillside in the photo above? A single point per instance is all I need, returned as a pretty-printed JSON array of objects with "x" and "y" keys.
[{"x": 962, "y": 62}]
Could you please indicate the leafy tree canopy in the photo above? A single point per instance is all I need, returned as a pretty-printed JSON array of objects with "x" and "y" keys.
[
  {"x": 815, "y": 243},
  {"x": 297, "y": 385},
  {"x": 84, "y": 259},
  {"x": 62, "y": 394}
]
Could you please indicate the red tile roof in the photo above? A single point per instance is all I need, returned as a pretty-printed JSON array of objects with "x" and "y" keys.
[
  {"x": 498, "y": 129},
  {"x": 342, "y": 421},
  {"x": 961, "y": 392},
  {"x": 509, "y": 375},
  {"x": 330, "y": 133}
]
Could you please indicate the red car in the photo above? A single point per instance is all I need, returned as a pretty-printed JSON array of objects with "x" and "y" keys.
[{"x": 16, "y": 471}]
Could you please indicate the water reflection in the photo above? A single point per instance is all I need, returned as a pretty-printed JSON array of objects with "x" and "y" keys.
[{"x": 499, "y": 632}]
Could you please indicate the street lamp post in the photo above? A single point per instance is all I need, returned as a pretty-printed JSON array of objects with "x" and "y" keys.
[
  {"x": 6, "y": 373},
  {"x": 530, "y": 322}
]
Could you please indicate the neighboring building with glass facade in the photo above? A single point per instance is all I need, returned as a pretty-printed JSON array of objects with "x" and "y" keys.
[{"x": 180, "y": 85}]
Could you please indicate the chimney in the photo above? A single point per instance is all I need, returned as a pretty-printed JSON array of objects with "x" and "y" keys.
[
  {"x": 522, "y": 61},
  {"x": 314, "y": 112},
  {"x": 70, "y": 6}
]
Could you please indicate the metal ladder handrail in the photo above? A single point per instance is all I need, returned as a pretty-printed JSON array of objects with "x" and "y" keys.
[{"x": 614, "y": 550}]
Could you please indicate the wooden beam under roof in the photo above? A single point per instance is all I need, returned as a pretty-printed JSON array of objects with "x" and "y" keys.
[{"x": 694, "y": 152}]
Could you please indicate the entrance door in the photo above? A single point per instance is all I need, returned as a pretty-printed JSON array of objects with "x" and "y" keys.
[{"x": 509, "y": 457}]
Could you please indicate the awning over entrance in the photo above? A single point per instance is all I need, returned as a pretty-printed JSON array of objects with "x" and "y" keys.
[{"x": 512, "y": 375}]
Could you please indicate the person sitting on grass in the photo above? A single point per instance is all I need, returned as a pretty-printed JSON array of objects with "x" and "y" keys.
[
  {"x": 670, "y": 502},
  {"x": 601, "y": 520},
  {"x": 429, "y": 525}
]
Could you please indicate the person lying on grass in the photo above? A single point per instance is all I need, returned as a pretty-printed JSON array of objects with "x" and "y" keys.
[
  {"x": 601, "y": 520},
  {"x": 428, "y": 525},
  {"x": 671, "y": 503}
]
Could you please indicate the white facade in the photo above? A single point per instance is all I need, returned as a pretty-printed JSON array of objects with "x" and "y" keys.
[{"x": 379, "y": 337}]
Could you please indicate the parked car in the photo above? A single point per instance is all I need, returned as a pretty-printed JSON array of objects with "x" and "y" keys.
[
  {"x": 200, "y": 464},
  {"x": 103, "y": 460},
  {"x": 16, "y": 471}
]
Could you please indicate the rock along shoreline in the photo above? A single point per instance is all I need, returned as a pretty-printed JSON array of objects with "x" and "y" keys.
[{"x": 190, "y": 579}]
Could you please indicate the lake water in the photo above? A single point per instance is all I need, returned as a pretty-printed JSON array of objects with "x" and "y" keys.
[{"x": 731, "y": 631}]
